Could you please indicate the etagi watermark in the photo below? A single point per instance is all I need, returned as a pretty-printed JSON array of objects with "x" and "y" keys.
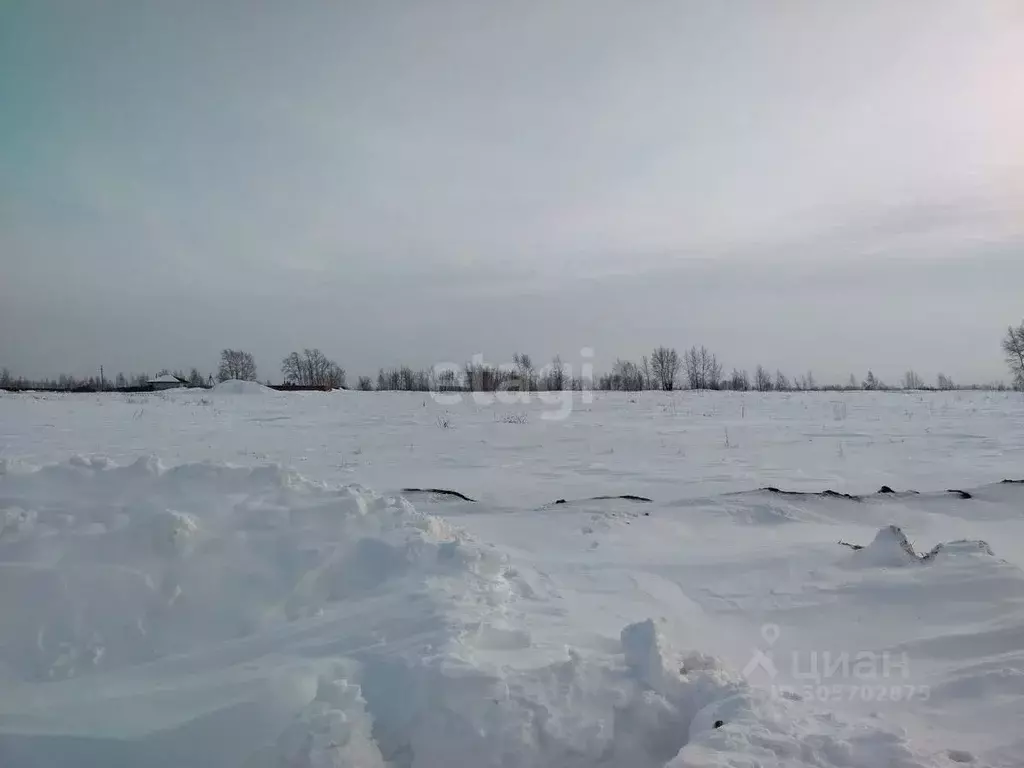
[
  {"x": 829, "y": 676},
  {"x": 559, "y": 385}
]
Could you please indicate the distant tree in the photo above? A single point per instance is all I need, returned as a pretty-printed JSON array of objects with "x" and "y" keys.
[
  {"x": 665, "y": 366},
  {"x": 195, "y": 378},
  {"x": 943, "y": 382},
  {"x": 739, "y": 381},
  {"x": 912, "y": 381},
  {"x": 1013, "y": 348},
  {"x": 693, "y": 366},
  {"x": 6, "y": 380},
  {"x": 852, "y": 383},
  {"x": 782, "y": 382},
  {"x": 365, "y": 384},
  {"x": 871, "y": 382},
  {"x": 525, "y": 373},
  {"x": 703, "y": 371},
  {"x": 292, "y": 369},
  {"x": 236, "y": 364},
  {"x": 713, "y": 371},
  {"x": 645, "y": 371},
  {"x": 120, "y": 382},
  {"x": 446, "y": 380},
  {"x": 312, "y": 368},
  {"x": 625, "y": 377},
  {"x": 555, "y": 379},
  {"x": 762, "y": 380}
]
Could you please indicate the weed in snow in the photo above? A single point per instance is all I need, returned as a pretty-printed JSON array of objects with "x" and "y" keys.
[{"x": 513, "y": 418}]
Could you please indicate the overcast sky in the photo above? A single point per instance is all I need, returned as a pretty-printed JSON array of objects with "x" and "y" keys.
[{"x": 807, "y": 185}]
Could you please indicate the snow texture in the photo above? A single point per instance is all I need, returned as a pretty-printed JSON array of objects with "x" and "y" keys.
[
  {"x": 239, "y": 387},
  {"x": 218, "y": 589}
]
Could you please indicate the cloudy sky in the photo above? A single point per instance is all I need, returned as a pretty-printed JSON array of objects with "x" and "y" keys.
[{"x": 833, "y": 186}]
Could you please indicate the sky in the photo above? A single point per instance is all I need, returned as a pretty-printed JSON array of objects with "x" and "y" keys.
[{"x": 798, "y": 184}]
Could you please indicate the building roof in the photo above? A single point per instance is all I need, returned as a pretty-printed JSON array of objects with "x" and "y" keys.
[{"x": 166, "y": 379}]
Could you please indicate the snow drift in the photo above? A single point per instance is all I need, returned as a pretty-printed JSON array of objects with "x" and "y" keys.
[
  {"x": 239, "y": 387},
  {"x": 214, "y": 615}
]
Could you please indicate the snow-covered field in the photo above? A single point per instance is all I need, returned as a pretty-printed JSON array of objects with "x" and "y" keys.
[{"x": 207, "y": 579}]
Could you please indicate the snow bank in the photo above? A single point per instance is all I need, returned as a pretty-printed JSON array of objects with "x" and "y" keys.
[
  {"x": 144, "y": 605},
  {"x": 239, "y": 387},
  {"x": 213, "y": 615}
]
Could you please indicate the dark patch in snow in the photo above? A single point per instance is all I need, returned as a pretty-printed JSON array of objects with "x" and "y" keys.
[
  {"x": 719, "y": 723},
  {"x": 439, "y": 492},
  {"x": 886, "y": 490},
  {"x": 961, "y": 494},
  {"x": 1013, "y": 482},
  {"x": 624, "y": 497},
  {"x": 960, "y": 756},
  {"x": 854, "y": 547},
  {"x": 828, "y": 494}
]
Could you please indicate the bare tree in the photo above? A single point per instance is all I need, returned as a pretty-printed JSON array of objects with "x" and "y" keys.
[
  {"x": 945, "y": 383},
  {"x": 703, "y": 371},
  {"x": 554, "y": 381},
  {"x": 665, "y": 366},
  {"x": 692, "y": 368},
  {"x": 365, "y": 384},
  {"x": 871, "y": 382},
  {"x": 645, "y": 371},
  {"x": 312, "y": 368},
  {"x": 236, "y": 364},
  {"x": 739, "y": 381},
  {"x": 1013, "y": 348},
  {"x": 525, "y": 374},
  {"x": 291, "y": 369},
  {"x": 713, "y": 370},
  {"x": 762, "y": 380},
  {"x": 782, "y": 383},
  {"x": 625, "y": 377},
  {"x": 912, "y": 381},
  {"x": 445, "y": 380},
  {"x": 852, "y": 383}
]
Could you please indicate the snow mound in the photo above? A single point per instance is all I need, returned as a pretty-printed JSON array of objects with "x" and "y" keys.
[
  {"x": 197, "y": 603},
  {"x": 962, "y": 548},
  {"x": 890, "y": 549},
  {"x": 239, "y": 387}
]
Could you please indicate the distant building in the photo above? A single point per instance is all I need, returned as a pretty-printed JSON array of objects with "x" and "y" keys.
[{"x": 167, "y": 381}]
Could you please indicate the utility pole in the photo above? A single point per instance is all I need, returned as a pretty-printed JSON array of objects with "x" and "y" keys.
[{"x": 101, "y": 378}]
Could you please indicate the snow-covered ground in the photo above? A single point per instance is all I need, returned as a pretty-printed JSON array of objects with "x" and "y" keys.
[{"x": 205, "y": 578}]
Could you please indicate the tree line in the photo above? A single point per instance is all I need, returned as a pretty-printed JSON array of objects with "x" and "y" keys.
[{"x": 663, "y": 369}]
